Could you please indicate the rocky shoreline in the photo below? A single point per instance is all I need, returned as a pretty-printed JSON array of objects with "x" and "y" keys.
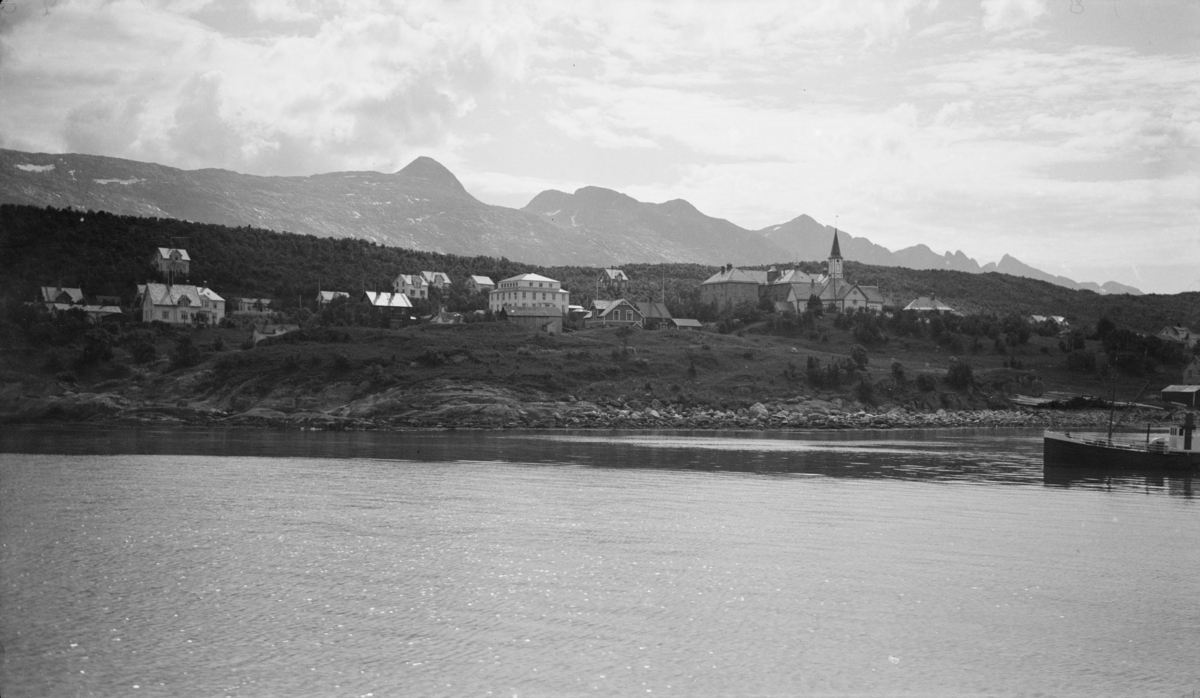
[{"x": 489, "y": 408}]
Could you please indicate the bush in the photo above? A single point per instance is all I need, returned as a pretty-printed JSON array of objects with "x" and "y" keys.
[
  {"x": 960, "y": 376},
  {"x": 186, "y": 353},
  {"x": 865, "y": 391},
  {"x": 1080, "y": 360},
  {"x": 858, "y": 354},
  {"x": 898, "y": 371},
  {"x": 926, "y": 382}
]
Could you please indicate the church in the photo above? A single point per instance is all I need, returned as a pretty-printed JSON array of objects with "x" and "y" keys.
[{"x": 835, "y": 293}]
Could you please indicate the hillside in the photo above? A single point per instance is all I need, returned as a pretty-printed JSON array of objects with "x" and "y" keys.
[
  {"x": 424, "y": 206},
  {"x": 108, "y": 254}
]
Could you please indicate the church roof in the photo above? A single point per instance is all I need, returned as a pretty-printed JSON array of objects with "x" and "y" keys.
[{"x": 836, "y": 251}]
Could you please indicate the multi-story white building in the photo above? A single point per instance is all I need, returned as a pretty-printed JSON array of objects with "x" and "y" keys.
[
  {"x": 412, "y": 285},
  {"x": 529, "y": 291}
]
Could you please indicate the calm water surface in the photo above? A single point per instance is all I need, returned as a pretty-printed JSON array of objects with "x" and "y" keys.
[{"x": 245, "y": 563}]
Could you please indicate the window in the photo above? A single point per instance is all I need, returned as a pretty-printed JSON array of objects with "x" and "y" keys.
[{"x": 166, "y": 314}]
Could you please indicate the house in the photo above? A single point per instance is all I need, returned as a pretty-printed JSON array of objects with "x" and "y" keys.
[
  {"x": 1056, "y": 319},
  {"x": 436, "y": 279},
  {"x": 179, "y": 304},
  {"x": 540, "y": 318},
  {"x": 613, "y": 281},
  {"x": 619, "y": 312},
  {"x": 212, "y": 304},
  {"x": 412, "y": 285},
  {"x": 782, "y": 285},
  {"x": 1183, "y": 394},
  {"x": 171, "y": 263},
  {"x": 527, "y": 291},
  {"x": 1178, "y": 334},
  {"x": 655, "y": 316},
  {"x": 687, "y": 324},
  {"x": 324, "y": 298},
  {"x": 268, "y": 331},
  {"x": 56, "y": 298},
  {"x": 253, "y": 306},
  {"x": 929, "y": 304},
  {"x": 1191, "y": 372},
  {"x": 393, "y": 303},
  {"x": 731, "y": 286},
  {"x": 480, "y": 284}
]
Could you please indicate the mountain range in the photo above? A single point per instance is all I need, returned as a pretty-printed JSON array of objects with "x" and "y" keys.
[{"x": 424, "y": 206}]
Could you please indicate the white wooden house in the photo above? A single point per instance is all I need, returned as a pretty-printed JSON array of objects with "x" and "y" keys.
[
  {"x": 480, "y": 284},
  {"x": 412, "y": 285}
]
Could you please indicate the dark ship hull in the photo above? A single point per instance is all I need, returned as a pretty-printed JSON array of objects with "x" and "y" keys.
[{"x": 1064, "y": 450}]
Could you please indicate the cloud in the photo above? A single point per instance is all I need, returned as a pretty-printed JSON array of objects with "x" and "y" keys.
[{"x": 1004, "y": 15}]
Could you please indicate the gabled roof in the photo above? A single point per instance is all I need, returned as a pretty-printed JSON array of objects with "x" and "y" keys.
[
  {"x": 483, "y": 281},
  {"x": 53, "y": 294},
  {"x": 531, "y": 277},
  {"x": 1181, "y": 389},
  {"x": 173, "y": 294},
  {"x": 1178, "y": 332},
  {"x": 410, "y": 279},
  {"x": 928, "y": 303},
  {"x": 385, "y": 299},
  {"x": 686, "y": 322},
  {"x": 165, "y": 253},
  {"x": 736, "y": 276},
  {"x": 616, "y": 275},
  {"x": 210, "y": 294},
  {"x": 617, "y": 304},
  {"x": 872, "y": 293},
  {"x": 435, "y": 277},
  {"x": 327, "y": 296},
  {"x": 601, "y": 304},
  {"x": 795, "y": 276},
  {"x": 653, "y": 310}
]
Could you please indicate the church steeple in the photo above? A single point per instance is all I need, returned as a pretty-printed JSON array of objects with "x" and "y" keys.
[{"x": 835, "y": 259}]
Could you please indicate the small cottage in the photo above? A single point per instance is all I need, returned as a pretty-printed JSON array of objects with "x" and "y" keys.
[{"x": 480, "y": 284}]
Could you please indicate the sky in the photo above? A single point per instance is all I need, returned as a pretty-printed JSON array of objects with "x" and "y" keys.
[{"x": 1065, "y": 133}]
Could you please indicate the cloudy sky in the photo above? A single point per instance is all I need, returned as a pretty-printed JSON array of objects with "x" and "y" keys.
[{"x": 1063, "y": 132}]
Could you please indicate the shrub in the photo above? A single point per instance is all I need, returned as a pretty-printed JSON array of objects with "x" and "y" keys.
[
  {"x": 186, "y": 353},
  {"x": 960, "y": 376},
  {"x": 858, "y": 354},
  {"x": 926, "y": 382},
  {"x": 865, "y": 391},
  {"x": 898, "y": 371}
]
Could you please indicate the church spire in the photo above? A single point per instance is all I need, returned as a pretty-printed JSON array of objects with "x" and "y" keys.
[{"x": 835, "y": 260}]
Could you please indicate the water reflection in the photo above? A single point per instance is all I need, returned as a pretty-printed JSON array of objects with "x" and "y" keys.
[
  {"x": 1117, "y": 478},
  {"x": 984, "y": 456}
]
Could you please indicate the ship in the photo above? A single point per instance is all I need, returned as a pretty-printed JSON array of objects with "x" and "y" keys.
[{"x": 1177, "y": 450}]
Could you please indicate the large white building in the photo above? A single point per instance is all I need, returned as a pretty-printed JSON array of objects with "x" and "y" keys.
[{"x": 529, "y": 291}]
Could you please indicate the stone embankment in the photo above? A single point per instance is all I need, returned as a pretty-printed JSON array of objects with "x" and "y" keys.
[{"x": 480, "y": 407}]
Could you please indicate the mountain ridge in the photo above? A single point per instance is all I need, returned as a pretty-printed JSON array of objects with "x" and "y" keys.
[{"x": 425, "y": 206}]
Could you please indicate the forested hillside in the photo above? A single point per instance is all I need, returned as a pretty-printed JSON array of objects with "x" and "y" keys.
[{"x": 106, "y": 254}]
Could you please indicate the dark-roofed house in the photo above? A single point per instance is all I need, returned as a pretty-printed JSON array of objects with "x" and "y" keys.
[
  {"x": 732, "y": 286},
  {"x": 540, "y": 318},
  {"x": 655, "y": 316}
]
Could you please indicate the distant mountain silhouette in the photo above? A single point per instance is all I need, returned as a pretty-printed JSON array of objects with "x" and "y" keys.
[
  {"x": 424, "y": 206},
  {"x": 672, "y": 232}
]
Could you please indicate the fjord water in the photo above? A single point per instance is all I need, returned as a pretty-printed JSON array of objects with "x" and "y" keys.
[{"x": 181, "y": 562}]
